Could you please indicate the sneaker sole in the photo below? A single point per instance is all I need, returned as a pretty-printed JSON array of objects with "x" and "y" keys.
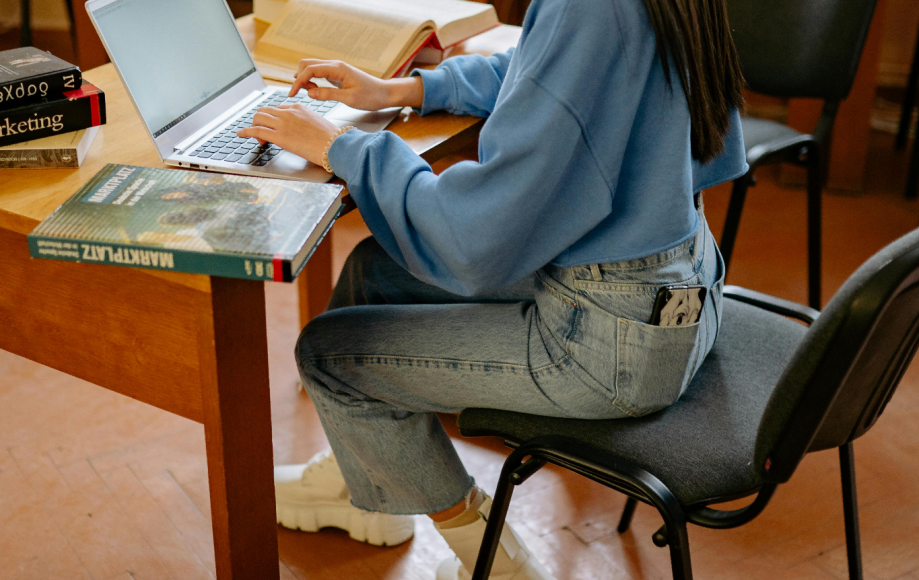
[{"x": 376, "y": 529}]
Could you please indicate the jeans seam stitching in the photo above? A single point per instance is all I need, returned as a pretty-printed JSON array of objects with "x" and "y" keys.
[{"x": 370, "y": 357}]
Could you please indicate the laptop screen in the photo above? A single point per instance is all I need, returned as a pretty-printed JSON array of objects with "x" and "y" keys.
[{"x": 175, "y": 55}]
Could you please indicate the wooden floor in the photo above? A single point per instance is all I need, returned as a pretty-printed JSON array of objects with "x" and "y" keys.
[{"x": 95, "y": 485}]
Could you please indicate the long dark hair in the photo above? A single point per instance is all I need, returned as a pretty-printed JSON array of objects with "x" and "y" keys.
[{"x": 694, "y": 36}]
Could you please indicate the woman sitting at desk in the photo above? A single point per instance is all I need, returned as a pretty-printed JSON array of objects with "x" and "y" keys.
[{"x": 525, "y": 281}]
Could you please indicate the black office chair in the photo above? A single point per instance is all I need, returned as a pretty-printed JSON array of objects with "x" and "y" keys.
[
  {"x": 25, "y": 24},
  {"x": 795, "y": 48},
  {"x": 770, "y": 392},
  {"x": 906, "y": 120}
]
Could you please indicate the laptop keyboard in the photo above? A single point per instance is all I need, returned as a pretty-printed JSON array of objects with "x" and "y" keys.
[{"x": 226, "y": 146}]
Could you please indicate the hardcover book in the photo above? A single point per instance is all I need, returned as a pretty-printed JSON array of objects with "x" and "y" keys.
[
  {"x": 28, "y": 75},
  {"x": 75, "y": 110},
  {"x": 183, "y": 221},
  {"x": 380, "y": 37},
  {"x": 65, "y": 150}
]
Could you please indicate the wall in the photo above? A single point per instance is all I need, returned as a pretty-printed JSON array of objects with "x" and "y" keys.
[{"x": 46, "y": 14}]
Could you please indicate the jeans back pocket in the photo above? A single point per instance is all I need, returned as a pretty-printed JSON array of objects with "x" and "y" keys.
[{"x": 654, "y": 364}]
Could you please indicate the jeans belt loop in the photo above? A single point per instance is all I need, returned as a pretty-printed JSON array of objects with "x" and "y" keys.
[{"x": 595, "y": 272}]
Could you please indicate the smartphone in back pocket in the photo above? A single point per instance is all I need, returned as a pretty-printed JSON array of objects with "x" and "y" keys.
[{"x": 678, "y": 305}]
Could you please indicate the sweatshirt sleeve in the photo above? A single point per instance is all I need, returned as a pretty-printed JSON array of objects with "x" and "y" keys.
[
  {"x": 464, "y": 85},
  {"x": 481, "y": 225}
]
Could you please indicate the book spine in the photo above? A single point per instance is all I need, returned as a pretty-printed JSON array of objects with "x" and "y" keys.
[
  {"x": 50, "y": 86},
  {"x": 52, "y": 118},
  {"x": 38, "y": 158},
  {"x": 247, "y": 267}
]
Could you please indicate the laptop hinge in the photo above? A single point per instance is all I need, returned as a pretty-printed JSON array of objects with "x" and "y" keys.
[{"x": 197, "y": 135}]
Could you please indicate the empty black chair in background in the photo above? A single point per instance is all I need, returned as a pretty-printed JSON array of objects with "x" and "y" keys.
[
  {"x": 906, "y": 120},
  {"x": 770, "y": 392},
  {"x": 795, "y": 48},
  {"x": 25, "y": 23}
]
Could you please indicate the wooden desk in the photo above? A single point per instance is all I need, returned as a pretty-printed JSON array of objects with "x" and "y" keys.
[{"x": 189, "y": 344}]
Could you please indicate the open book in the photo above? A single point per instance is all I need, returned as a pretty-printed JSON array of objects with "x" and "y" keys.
[{"x": 380, "y": 37}]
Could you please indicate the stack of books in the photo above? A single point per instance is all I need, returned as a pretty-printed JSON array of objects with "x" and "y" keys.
[{"x": 48, "y": 113}]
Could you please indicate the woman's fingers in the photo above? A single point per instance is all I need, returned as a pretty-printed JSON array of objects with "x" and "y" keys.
[
  {"x": 307, "y": 62},
  {"x": 333, "y": 71},
  {"x": 264, "y": 118},
  {"x": 264, "y": 126},
  {"x": 326, "y": 94},
  {"x": 295, "y": 88},
  {"x": 263, "y": 134}
]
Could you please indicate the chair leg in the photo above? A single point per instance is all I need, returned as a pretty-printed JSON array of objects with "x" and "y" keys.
[
  {"x": 732, "y": 221},
  {"x": 850, "y": 510},
  {"x": 909, "y": 101},
  {"x": 495, "y": 524},
  {"x": 678, "y": 540},
  {"x": 814, "y": 226},
  {"x": 25, "y": 24},
  {"x": 73, "y": 27},
  {"x": 625, "y": 520},
  {"x": 912, "y": 182}
]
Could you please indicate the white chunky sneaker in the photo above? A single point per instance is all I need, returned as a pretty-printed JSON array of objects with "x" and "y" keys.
[
  {"x": 513, "y": 561},
  {"x": 313, "y": 495}
]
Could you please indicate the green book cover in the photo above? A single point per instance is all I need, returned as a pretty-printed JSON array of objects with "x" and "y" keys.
[{"x": 184, "y": 221}]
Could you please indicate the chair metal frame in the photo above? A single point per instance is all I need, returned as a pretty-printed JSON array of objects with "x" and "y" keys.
[
  {"x": 804, "y": 151},
  {"x": 640, "y": 485},
  {"x": 762, "y": 59},
  {"x": 25, "y": 23},
  {"x": 906, "y": 121}
]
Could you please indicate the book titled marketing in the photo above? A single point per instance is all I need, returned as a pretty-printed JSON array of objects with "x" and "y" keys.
[
  {"x": 233, "y": 226},
  {"x": 74, "y": 110},
  {"x": 29, "y": 75}
]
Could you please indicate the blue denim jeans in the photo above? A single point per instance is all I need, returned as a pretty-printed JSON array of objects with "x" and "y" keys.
[{"x": 392, "y": 351}]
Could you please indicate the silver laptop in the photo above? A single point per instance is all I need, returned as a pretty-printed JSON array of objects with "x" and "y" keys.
[{"x": 194, "y": 84}]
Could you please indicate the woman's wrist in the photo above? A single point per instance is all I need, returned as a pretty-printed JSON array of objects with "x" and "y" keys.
[
  {"x": 406, "y": 92},
  {"x": 332, "y": 138}
]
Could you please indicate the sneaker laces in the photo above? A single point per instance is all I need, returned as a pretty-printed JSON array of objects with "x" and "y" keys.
[{"x": 320, "y": 462}]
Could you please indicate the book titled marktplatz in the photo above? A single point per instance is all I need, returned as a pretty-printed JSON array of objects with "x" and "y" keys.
[
  {"x": 73, "y": 110},
  {"x": 28, "y": 75},
  {"x": 185, "y": 221}
]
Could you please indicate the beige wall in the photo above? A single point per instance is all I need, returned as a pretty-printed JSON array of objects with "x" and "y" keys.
[{"x": 46, "y": 14}]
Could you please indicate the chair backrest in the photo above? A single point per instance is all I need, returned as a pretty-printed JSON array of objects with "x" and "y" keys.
[
  {"x": 848, "y": 365},
  {"x": 800, "y": 48}
]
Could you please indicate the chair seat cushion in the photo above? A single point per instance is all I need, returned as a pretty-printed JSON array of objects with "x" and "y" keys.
[
  {"x": 762, "y": 138},
  {"x": 702, "y": 446}
]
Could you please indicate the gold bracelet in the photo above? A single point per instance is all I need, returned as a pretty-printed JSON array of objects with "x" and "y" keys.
[{"x": 325, "y": 153}]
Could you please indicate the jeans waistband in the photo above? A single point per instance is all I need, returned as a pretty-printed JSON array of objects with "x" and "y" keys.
[{"x": 691, "y": 245}]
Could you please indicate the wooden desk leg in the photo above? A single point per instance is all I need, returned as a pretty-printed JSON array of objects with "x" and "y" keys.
[
  {"x": 233, "y": 349},
  {"x": 315, "y": 281}
]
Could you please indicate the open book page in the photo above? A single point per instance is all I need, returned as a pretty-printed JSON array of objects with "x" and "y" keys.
[
  {"x": 371, "y": 37},
  {"x": 456, "y": 20}
]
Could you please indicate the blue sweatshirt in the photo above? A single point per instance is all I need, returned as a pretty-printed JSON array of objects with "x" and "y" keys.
[{"x": 584, "y": 157}]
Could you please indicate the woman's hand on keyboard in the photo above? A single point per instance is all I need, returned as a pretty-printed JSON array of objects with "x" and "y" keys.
[
  {"x": 294, "y": 128},
  {"x": 356, "y": 88}
]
